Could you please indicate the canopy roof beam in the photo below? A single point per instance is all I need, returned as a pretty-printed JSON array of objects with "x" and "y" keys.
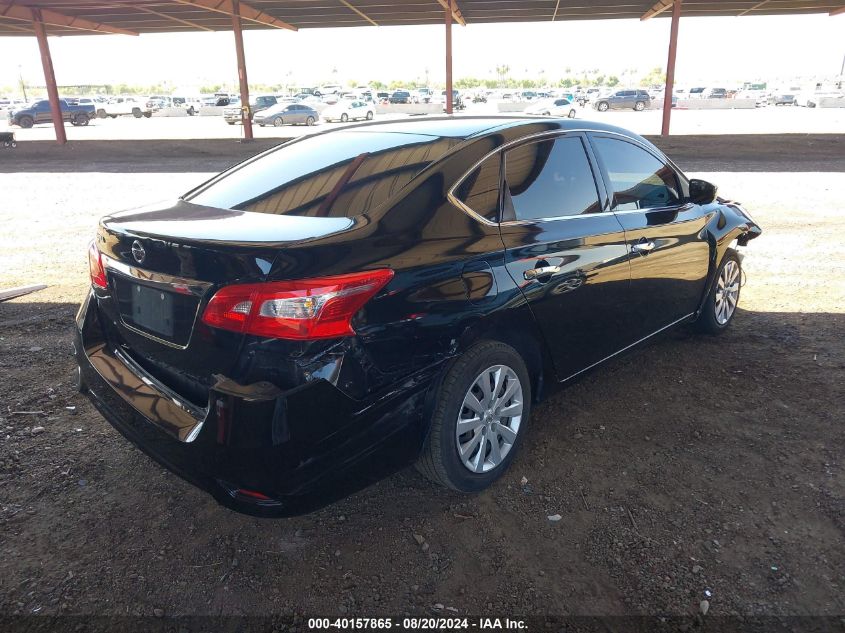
[
  {"x": 52, "y": 18},
  {"x": 351, "y": 7},
  {"x": 659, "y": 7},
  {"x": 452, "y": 5},
  {"x": 247, "y": 12}
]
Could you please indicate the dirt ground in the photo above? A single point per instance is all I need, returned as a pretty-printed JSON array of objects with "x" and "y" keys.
[{"x": 694, "y": 469}]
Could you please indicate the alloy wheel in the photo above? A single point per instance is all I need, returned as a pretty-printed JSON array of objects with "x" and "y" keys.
[
  {"x": 489, "y": 419},
  {"x": 727, "y": 292}
]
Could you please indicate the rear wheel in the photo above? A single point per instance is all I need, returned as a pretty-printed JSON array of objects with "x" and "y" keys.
[
  {"x": 720, "y": 305},
  {"x": 147, "y": 115},
  {"x": 344, "y": 117},
  {"x": 603, "y": 106},
  {"x": 370, "y": 115},
  {"x": 481, "y": 412},
  {"x": 136, "y": 112},
  {"x": 101, "y": 114},
  {"x": 81, "y": 119},
  {"x": 639, "y": 106},
  {"x": 572, "y": 114}
]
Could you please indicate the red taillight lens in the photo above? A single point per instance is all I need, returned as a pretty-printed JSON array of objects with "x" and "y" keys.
[
  {"x": 95, "y": 265},
  {"x": 300, "y": 310}
]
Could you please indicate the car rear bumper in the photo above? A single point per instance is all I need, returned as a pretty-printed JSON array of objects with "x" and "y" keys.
[{"x": 256, "y": 449}]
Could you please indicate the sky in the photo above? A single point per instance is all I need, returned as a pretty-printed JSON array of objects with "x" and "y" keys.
[{"x": 724, "y": 50}]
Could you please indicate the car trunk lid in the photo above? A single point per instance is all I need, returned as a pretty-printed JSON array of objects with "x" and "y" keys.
[{"x": 163, "y": 264}]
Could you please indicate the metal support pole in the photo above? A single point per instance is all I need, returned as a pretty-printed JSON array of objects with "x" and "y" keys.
[
  {"x": 448, "y": 12},
  {"x": 670, "y": 68},
  {"x": 246, "y": 114},
  {"x": 49, "y": 76}
]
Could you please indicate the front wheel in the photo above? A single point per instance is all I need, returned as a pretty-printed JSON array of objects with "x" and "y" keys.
[
  {"x": 310, "y": 121},
  {"x": 344, "y": 117},
  {"x": 370, "y": 115},
  {"x": 81, "y": 119},
  {"x": 278, "y": 122},
  {"x": 572, "y": 114},
  {"x": 604, "y": 106},
  {"x": 136, "y": 112},
  {"x": 26, "y": 122},
  {"x": 479, "y": 419},
  {"x": 720, "y": 305}
]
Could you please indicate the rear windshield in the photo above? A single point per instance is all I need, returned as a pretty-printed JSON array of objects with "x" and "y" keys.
[{"x": 332, "y": 175}]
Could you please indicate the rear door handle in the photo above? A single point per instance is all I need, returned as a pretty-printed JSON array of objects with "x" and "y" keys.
[
  {"x": 543, "y": 271},
  {"x": 642, "y": 247}
]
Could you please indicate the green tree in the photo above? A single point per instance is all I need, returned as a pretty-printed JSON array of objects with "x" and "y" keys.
[
  {"x": 655, "y": 77},
  {"x": 613, "y": 81}
]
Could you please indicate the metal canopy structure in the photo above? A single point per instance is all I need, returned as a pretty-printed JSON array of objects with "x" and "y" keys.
[
  {"x": 133, "y": 17},
  {"x": 166, "y": 16}
]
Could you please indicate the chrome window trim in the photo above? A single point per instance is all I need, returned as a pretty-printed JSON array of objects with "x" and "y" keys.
[{"x": 453, "y": 198}]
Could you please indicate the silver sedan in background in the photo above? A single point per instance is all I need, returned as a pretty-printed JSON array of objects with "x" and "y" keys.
[{"x": 287, "y": 113}]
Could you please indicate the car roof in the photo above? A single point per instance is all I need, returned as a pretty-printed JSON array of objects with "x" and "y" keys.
[{"x": 471, "y": 127}]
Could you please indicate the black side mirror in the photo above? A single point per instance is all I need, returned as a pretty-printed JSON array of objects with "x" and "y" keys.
[{"x": 701, "y": 191}]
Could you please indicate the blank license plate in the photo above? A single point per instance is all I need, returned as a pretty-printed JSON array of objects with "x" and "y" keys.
[{"x": 152, "y": 309}]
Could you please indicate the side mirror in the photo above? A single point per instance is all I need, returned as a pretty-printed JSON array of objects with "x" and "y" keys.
[{"x": 701, "y": 191}]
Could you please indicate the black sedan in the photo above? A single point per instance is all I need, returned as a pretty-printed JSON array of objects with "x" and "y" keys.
[{"x": 356, "y": 301}]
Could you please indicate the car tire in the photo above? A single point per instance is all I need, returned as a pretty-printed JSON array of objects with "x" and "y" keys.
[
  {"x": 720, "y": 306},
  {"x": 230, "y": 122},
  {"x": 136, "y": 112},
  {"x": 114, "y": 116},
  {"x": 309, "y": 121},
  {"x": 278, "y": 122},
  {"x": 572, "y": 114},
  {"x": 639, "y": 106},
  {"x": 191, "y": 111},
  {"x": 344, "y": 117},
  {"x": 440, "y": 460},
  {"x": 370, "y": 115},
  {"x": 26, "y": 122},
  {"x": 602, "y": 106},
  {"x": 80, "y": 119},
  {"x": 101, "y": 114},
  {"x": 147, "y": 115}
]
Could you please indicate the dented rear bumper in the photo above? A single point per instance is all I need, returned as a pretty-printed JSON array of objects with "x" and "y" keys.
[{"x": 255, "y": 448}]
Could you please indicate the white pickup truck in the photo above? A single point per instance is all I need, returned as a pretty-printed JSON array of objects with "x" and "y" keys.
[{"x": 122, "y": 106}]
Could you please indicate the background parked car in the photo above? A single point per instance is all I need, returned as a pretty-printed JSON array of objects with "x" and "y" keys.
[
  {"x": 400, "y": 96},
  {"x": 233, "y": 113},
  {"x": 554, "y": 107},
  {"x": 191, "y": 104},
  {"x": 287, "y": 114},
  {"x": 714, "y": 93},
  {"x": 39, "y": 112},
  {"x": 624, "y": 100},
  {"x": 121, "y": 106},
  {"x": 345, "y": 111}
]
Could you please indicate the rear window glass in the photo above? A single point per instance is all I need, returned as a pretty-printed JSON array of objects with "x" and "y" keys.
[{"x": 336, "y": 175}]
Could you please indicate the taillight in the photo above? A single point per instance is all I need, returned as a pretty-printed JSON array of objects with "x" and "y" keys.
[
  {"x": 304, "y": 309},
  {"x": 95, "y": 266}
]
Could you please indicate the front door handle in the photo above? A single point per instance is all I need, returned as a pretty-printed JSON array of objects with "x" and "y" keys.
[
  {"x": 543, "y": 271},
  {"x": 642, "y": 248}
]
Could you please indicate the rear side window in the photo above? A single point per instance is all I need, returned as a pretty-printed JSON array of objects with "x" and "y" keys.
[
  {"x": 550, "y": 179},
  {"x": 343, "y": 175},
  {"x": 638, "y": 179},
  {"x": 480, "y": 190}
]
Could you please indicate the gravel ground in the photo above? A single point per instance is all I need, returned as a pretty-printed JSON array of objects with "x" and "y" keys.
[{"x": 694, "y": 469}]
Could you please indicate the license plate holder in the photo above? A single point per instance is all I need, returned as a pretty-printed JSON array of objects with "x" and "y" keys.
[{"x": 152, "y": 309}]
